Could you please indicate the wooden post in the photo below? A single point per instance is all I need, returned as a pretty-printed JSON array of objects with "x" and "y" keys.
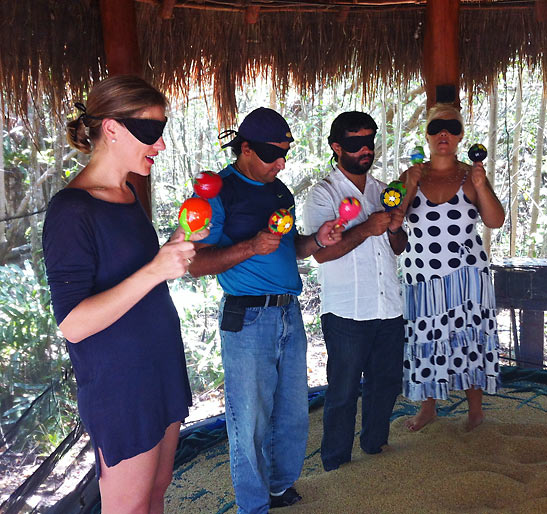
[
  {"x": 441, "y": 64},
  {"x": 119, "y": 23}
]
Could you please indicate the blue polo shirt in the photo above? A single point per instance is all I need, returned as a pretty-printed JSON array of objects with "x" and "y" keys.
[{"x": 240, "y": 211}]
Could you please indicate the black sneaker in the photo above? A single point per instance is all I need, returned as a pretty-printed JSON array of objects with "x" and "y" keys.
[{"x": 289, "y": 497}]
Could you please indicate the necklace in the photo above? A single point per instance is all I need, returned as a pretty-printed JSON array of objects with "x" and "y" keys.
[{"x": 455, "y": 174}]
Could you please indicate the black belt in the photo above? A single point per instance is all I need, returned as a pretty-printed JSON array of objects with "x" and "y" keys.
[{"x": 268, "y": 300}]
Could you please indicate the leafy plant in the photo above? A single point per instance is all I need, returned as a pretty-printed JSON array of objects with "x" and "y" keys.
[{"x": 32, "y": 359}]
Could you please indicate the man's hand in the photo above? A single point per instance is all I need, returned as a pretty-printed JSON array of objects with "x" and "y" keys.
[
  {"x": 265, "y": 242},
  {"x": 377, "y": 223},
  {"x": 330, "y": 233},
  {"x": 397, "y": 216}
]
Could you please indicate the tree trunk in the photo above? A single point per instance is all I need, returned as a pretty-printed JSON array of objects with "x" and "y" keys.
[
  {"x": 492, "y": 145},
  {"x": 320, "y": 122},
  {"x": 34, "y": 172},
  {"x": 384, "y": 138},
  {"x": 515, "y": 167},
  {"x": 3, "y": 200},
  {"x": 397, "y": 140},
  {"x": 537, "y": 176},
  {"x": 58, "y": 178}
]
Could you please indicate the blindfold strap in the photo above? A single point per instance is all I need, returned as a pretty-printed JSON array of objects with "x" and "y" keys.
[
  {"x": 268, "y": 153},
  {"x": 84, "y": 117},
  {"x": 353, "y": 144},
  {"x": 147, "y": 131},
  {"x": 452, "y": 126},
  {"x": 228, "y": 133}
]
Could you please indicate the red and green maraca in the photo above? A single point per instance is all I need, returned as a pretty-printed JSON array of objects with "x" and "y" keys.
[{"x": 195, "y": 213}]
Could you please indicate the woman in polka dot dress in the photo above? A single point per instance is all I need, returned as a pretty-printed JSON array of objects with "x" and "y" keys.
[{"x": 451, "y": 336}]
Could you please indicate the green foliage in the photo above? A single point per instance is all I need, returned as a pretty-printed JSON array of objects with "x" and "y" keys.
[
  {"x": 197, "y": 301},
  {"x": 32, "y": 358}
]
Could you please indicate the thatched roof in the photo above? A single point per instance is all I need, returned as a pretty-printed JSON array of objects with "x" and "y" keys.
[{"x": 55, "y": 46}]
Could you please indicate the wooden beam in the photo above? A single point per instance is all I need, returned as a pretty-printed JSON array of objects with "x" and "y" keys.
[
  {"x": 251, "y": 14},
  {"x": 119, "y": 23},
  {"x": 441, "y": 65},
  {"x": 167, "y": 7},
  {"x": 541, "y": 10}
]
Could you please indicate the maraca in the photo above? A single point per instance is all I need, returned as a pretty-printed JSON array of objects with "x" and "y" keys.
[
  {"x": 207, "y": 184},
  {"x": 348, "y": 209},
  {"x": 280, "y": 222},
  {"x": 477, "y": 153},
  {"x": 417, "y": 155},
  {"x": 392, "y": 196},
  {"x": 194, "y": 216}
]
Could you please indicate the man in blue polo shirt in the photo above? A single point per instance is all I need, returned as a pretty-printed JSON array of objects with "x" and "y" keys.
[{"x": 261, "y": 328}]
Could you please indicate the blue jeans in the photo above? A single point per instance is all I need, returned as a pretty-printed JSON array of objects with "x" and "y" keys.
[
  {"x": 355, "y": 348},
  {"x": 266, "y": 395}
]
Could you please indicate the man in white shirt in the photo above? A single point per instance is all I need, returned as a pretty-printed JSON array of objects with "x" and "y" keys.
[{"x": 361, "y": 304}]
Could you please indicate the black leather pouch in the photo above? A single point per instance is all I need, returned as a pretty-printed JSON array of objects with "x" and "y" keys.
[{"x": 232, "y": 317}]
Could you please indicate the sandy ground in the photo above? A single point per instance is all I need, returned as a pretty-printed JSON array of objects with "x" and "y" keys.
[{"x": 501, "y": 466}]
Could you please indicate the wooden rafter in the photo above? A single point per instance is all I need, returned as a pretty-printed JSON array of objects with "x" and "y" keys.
[
  {"x": 167, "y": 9},
  {"x": 271, "y": 6}
]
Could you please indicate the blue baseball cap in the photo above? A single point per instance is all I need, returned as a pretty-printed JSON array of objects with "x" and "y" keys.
[{"x": 262, "y": 125}]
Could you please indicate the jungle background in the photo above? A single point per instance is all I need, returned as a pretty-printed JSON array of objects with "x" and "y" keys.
[{"x": 37, "y": 390}]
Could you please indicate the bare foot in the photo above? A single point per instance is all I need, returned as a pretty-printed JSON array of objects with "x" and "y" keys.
[
  {"x": 473, "y": 421},
  {"x": 419, "y": 421}
]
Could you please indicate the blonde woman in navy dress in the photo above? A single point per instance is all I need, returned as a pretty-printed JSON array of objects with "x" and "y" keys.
[
  {"x": 107, "y": 276},
  {"x": 451, "y": 333}
]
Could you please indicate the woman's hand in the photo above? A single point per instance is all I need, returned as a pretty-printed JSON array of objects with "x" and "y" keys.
[
  {"x": 413, "y": 176},
  {"x": 478, "y": 176},
  {"x": 174, "y": 257}
]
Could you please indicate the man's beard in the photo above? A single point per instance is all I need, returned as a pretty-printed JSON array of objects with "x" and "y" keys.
[{"x": 353, "y": 165}]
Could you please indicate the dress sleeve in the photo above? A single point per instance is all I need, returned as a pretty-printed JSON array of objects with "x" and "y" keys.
[
  {"x": 70, "y": 253},
  {"x": 318, "y": 208}
]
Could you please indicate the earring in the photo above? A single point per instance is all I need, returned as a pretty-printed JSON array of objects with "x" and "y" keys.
[{"x": 114, "y": 140}]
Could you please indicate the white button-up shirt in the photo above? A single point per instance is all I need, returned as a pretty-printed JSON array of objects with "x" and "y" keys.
[{"x": 363, "y": 284}]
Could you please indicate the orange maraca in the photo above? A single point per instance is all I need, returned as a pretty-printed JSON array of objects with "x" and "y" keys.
[{"x": 194, "y": 216}]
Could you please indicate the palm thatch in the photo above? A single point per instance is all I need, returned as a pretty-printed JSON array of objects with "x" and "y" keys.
[{"x": 55, "y": 48}]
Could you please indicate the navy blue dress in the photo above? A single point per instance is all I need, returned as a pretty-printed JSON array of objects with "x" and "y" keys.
[{"x": 131, "y": 376}]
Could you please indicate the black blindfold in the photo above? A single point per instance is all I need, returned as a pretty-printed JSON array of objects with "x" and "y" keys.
[
  {"x": 268, "y": 153},
  {"x": 452, "y": 126},
  {"x": 145, "y": 130},
  {"x": 353, "y": 144}
]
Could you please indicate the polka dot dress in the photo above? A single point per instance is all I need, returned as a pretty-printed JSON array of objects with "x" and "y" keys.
[{"x": 451, "y": 332}]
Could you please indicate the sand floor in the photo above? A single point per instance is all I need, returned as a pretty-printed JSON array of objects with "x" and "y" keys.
[{"x": 501, "y": 466}]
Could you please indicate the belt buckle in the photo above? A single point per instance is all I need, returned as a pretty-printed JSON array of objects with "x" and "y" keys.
[{"x": 283, "y": 299}]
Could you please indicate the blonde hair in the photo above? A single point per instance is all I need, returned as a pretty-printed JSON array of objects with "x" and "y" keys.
[
  {"x": 441, "y": 109},
  {"x": 121, "y": 96}
]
